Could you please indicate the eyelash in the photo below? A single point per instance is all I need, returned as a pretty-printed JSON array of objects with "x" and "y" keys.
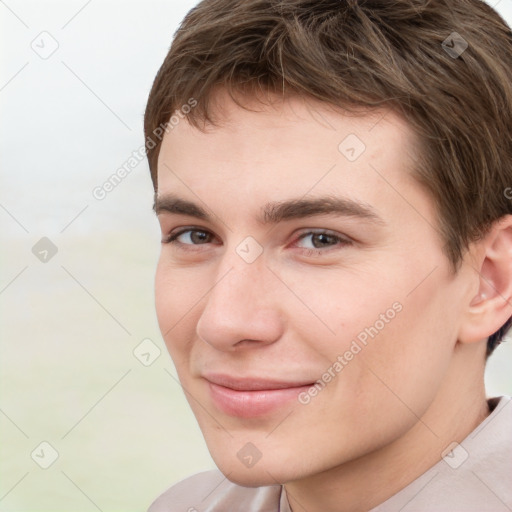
[{"x": 342, "y": 241}]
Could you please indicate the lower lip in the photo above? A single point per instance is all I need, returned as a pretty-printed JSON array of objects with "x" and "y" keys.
[{"x": 250, "y": 404}]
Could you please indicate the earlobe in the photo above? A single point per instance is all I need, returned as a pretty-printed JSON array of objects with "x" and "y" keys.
[{"x": 491, "y": 306}]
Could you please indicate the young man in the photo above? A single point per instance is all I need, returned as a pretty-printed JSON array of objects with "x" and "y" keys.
[{"x": 333, "y": 190}]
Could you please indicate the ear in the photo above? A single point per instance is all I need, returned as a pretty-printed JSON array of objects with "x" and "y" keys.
[{"x": 491, "y": 307}]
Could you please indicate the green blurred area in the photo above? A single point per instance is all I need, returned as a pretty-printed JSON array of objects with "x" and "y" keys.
[{"x": 123, "y": 430}]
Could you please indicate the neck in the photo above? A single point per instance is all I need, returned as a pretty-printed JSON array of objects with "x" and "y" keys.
[{"x": 359, "y": 485}]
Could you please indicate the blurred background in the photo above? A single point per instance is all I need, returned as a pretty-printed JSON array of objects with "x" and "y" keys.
[{"x": 91, "y": 415}]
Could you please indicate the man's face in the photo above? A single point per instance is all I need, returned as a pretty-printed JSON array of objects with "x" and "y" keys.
[{"x": 257, "y": 302}]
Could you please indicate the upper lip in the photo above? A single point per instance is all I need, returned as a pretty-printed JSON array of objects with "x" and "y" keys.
[{"x": 253, "y": 383}]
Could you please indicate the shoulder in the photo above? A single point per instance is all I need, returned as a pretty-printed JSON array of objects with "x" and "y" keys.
[{"x": 211, "y": 491}]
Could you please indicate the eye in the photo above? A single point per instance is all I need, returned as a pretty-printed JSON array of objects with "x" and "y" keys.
[
  {"x": 189, "y": 236},
  {"x": 322, "y": 241}
]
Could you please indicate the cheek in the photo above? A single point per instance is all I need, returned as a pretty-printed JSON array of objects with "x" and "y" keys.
[
  {"x": 165, "y": 291},
  {"x": 405, "y": 363},
  {"x": 341, "y": 308},
  {"x": 175, "y": 298},
  {"x": 394, "y": 342}
]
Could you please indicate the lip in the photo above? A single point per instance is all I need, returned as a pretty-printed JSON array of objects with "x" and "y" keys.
[{"x": 252, "y": 397}]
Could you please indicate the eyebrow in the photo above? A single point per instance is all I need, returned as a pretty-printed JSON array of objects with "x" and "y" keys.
[{"x": 277, "y": 211}]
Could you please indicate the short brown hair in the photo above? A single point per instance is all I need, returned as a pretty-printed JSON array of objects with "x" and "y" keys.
[{"x": 444, "y": 65}]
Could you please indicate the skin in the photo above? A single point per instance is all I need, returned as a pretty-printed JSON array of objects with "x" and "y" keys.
[{"x": 416, "y": 387}]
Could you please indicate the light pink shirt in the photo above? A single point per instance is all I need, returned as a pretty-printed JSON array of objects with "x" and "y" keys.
[{"x": 475, "y": 476}]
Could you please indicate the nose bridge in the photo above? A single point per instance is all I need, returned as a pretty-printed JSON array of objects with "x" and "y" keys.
[
  {"x": 239, "y": 284},
  {"x": 239, "y": 305},
  {"x": 242, "y": 270}
]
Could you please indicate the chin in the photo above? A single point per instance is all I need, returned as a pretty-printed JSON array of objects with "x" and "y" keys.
[
  {"x": 273, "y": 469},
  {"x": 250, "y": 477}
]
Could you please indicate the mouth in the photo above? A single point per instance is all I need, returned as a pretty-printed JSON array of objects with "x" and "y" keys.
[{"x": 252, "y": 397}]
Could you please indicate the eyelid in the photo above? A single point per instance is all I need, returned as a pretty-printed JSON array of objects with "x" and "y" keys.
[
  {"x": 304, "y": 233},
  {"x": 179, "y": 231},
  {"x": 323, "y": 231},
  {"x": 342, "y": 240}
]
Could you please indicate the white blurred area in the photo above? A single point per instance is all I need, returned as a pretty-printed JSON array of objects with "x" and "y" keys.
[{"x": 68, "y": 376}]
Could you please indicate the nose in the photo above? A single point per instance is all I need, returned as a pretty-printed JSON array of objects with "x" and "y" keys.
[{"x": 242, "y": 309}]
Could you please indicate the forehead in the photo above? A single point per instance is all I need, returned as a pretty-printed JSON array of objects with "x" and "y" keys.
[{"x": 291, "y": 147}]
